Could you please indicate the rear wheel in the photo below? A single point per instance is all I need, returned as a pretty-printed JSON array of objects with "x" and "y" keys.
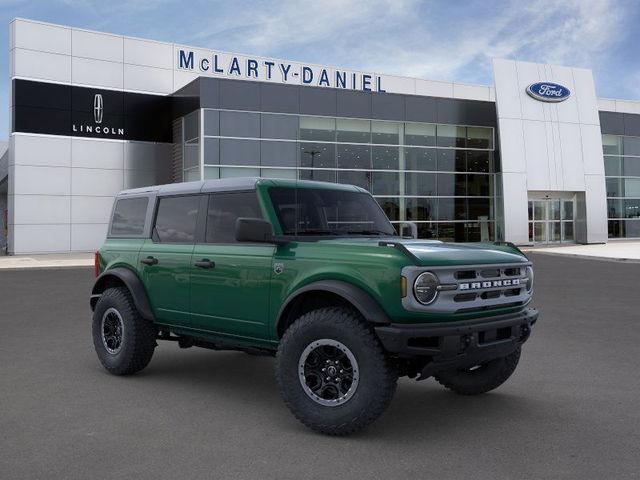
[
  {"x": 123, "y": 340},
  {"x": 332, "y": 372},
  {"x": 480, "y": 378}
]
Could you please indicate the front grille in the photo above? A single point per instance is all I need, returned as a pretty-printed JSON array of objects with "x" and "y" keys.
[{"x": 473, "y": 288}]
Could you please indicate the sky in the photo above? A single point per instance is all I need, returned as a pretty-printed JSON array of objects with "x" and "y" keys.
[{"x": 450, "y": 40}]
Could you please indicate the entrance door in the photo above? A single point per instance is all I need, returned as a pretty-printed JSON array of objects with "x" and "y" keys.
[{"x": 551, "y": 221}]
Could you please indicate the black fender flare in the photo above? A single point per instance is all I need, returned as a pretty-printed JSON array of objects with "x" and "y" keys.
[
  {"x": 132, "y": 282},
  {"x": 361, "y": 300}
]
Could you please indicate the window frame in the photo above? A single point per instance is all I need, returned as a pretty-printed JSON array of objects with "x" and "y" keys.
[
  {"x": 147, "y": 216},
  {"x": 196, "y": 233}
]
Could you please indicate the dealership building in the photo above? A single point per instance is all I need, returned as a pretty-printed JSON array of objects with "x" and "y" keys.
[{"x": 534, "y": 158}]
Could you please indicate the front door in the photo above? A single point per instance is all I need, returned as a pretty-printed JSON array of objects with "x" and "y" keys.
[
  {"x": 165, "y": 259},
  {"x": 230, "y": 281},
  {"x": 551, "y": 220}
]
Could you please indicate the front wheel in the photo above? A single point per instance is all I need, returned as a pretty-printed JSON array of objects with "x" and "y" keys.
[
  {"x": 480, "y": 378},
  {"x": 332, "y": 372}
]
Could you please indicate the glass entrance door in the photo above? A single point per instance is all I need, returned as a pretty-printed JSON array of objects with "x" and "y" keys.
[{"x": 551, "y": 221}]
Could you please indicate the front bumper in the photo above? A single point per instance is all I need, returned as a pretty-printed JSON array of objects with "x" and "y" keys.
[{"x": 448, "y": 346}]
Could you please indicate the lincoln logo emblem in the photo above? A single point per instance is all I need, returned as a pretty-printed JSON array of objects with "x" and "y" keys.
[{"x": 98, "y": 108}]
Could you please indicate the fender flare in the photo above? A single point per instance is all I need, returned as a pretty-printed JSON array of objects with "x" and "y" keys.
[
  {"x": 133, "y": 284},
  {"x": 361, "y": 300}
]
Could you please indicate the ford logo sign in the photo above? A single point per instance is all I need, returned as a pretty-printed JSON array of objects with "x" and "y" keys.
[{"x": 548, "y": 92}]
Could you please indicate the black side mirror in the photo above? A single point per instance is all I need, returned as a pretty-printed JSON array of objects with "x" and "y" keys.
[{"x": 253, "y": 230}]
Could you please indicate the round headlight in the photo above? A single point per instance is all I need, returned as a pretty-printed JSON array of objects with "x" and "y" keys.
[
  {"x": 425, "y": 288},
  {"x": 529, "y": 279}
]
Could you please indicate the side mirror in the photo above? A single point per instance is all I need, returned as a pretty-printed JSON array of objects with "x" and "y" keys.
[{"x": 253, "y": 230}]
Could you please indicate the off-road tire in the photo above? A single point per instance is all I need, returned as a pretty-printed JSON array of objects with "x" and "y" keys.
[
  {"x": 377, "y": 377},
  {"x": 138, "y": 336},
  {"x": 485, "y": 378}
]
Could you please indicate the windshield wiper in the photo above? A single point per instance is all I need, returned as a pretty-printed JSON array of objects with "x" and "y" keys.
[{"x": 367, "y": 232}]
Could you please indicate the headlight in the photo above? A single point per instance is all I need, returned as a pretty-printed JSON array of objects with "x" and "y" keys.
[
  {"x": 529, "y": 279},
  {"x": 425, "y": 288}
]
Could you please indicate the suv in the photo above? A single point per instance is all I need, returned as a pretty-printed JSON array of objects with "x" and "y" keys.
[{"x": 314, "y": 274}]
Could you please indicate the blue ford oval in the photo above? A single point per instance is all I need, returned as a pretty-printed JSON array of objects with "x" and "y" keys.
[{"x": 548, "y": 92}]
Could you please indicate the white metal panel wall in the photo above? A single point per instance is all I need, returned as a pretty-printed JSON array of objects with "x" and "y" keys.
[{"x": 552, "y": 146}]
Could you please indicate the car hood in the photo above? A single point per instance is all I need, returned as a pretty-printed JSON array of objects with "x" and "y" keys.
[{"x": 435, "y": 253}]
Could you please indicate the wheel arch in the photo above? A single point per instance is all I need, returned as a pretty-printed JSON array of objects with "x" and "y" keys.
[
  {"x": 324, "y": 293},
  {"x": 121, "y": 276}
]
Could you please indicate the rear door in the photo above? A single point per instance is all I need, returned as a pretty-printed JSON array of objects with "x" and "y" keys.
[
  {"x": 165, "y": 258},
  {"x": 230, "y": 281}
]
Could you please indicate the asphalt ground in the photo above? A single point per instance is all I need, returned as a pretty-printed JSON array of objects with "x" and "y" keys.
[{"x": 571, "y": 410}]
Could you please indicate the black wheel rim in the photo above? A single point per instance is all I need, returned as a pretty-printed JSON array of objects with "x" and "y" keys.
[
  {"x": 112, "y": 330},
  {"x": 328, "y": 372}
]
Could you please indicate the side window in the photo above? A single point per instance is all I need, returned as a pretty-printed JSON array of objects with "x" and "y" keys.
[
  {"x": 224, "y": 210},
  {"x": 129, "y": 216},
  {"x": 176, "y": 219}
]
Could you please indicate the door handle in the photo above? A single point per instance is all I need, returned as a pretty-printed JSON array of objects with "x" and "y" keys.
[
  {"x": 205, "y": 263},
  {"x": 149, "y": 260}
]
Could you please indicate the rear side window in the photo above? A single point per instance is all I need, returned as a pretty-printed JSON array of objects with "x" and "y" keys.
[
  {"x": 128, "y": 216},
  {"x": 224, "y": 210},
  {"x": 176, "y": 219}
]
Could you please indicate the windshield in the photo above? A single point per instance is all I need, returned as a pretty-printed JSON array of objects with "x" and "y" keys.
[{"x": 316, "y": 211}]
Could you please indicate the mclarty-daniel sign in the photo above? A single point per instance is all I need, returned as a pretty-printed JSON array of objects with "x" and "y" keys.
[{"x": 270, "y": 70}]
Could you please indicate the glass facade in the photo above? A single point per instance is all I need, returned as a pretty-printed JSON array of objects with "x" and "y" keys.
[
  {"x": 442, "y": 177},
  {"x": 622, "y": 171}
]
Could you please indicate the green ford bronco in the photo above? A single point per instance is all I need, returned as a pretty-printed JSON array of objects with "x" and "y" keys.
[{"x": 315, "y": 274}]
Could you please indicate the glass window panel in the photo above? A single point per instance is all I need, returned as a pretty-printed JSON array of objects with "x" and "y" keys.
[
  {"x": 224, "y": 209},
  {"x": 423, "y": 184},
  {"x": 191, "y": 156},
  {"x": 192, "y": 175},
  {"x": 479, "y": 137},
  {"x": 539, "y": 232},
  {"x": 614, "y": 187},
  {"x": 567, "y": 210},
  {"x": 631, "y": 166},
  {"x": 211, "y": 173},
  {"x": 479, "y": 161},
  {"x": 451, "y": 232},
  {"x": 427, "y": 230},
  {"x": 451, "y": 136},
  {"x": 192, "y": 126},
  {"x": 631, "y": 145},
  {"x": 479, "y": 208},
  {"x": 318, "y": 129},
  {"x": 530, "y": 203},
  {"x": 554, "y": 231},
  {"x": 239, "y": 152},
  {"x": 358, "y": 178},
  {"x": 632, "y": 229},
  {"x": 421, "y": 209},
  {"x": 387, "y": 133},
  {"x": 452, "y": 209},
  {"x": 318, "y": 175},
  {"x": 613, "y": 166},
  {"x": 317, "y": 155},
  {"x": 211, "y": 122},
  {"x": 614, "y": 208},
  {"x": 129, "y": 216},
  {"x": 632, "y": 208},
  {"x": 354, "y": 131},
  {"x": 386, "y": 158},
  {"x": 354, "y": 156},
  {"x": 278, "y": 173},
  {"x": 612, "y": 145},
  {"x": 391, "y": 207},
  {"x": 423, "y": 134},
  {"x": 240, "y": 124},
  {"x": 554, "y": 209},
  {"x": 632, "y": 187},
  {"x": 230, "y": 172},
  {"x": 176, "y": 219},
  {"x": 539, "y": 210},
  {"x": 452, "y": 160},
  {"x": 567, "y": 232},
  {"x": 385, "y": 183},
  {"x": 450, "y": 184},
  {"x": 279, "y": 126},
  {"x": 616, "y": 228},
  {"x": 211, "y": 151},
  {"x": 280, "y": 154},
  {"x": 479, "y": 185},
  {"x": 420, "y": 158}
]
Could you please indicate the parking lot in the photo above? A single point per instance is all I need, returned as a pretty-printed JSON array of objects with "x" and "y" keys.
[{"x": 571, "y": 410}]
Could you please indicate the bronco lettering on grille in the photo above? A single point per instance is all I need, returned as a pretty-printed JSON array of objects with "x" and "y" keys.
[{"x": 491, "y": 284}]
